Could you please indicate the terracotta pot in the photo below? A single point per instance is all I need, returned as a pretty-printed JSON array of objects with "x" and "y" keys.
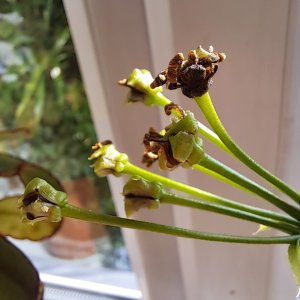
[{"x": 76, "y": 238}]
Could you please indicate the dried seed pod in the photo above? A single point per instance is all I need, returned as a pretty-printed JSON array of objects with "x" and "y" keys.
[
  {"x": 173, "y": 106},
  {"x": 222, "y": 56},
  {"x": 193, "y": 75},
  {"x": 174, "y": 68},
  {"x": 180, "y": 144},
  {"x": 206, "y": 56},
  {"x": 140, "y": 193},
  {"x": 194, "y": 81},
  {"x": 41, "y": 201},
  {"x": 192, "y": 57},
  {"x": 159, "y": 80},
  {"x": 139, "y": 82},
  {"x": 107, "y": 159}
]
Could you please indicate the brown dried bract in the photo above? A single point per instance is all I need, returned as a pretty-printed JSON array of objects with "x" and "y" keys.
[
  {"x": 192, "y": 57},
  {"x": 159, "y": 80},
  {"x": 100, "y": 145},
  {"x": 173, "y": 106},
  {"x": 155, "y": 145},
  {"x": 174, "y": 68},
  {"x": 193, "y": 75}
]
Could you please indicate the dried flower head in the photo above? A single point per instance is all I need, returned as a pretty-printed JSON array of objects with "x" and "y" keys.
[
  {"x": 178, "y": 144},
  {"x": 193, "y": 75},
  {"x": 41, "y": 201},
  {"x": 140, "y": 193},
  {"x": 107, "y": 160},
  {"x": 139, "y": 83}
]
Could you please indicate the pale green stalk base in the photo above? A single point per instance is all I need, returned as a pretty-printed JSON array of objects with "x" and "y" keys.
[
  {"x": 216, "y": 175},
  {"x": 90, "y": 216}
]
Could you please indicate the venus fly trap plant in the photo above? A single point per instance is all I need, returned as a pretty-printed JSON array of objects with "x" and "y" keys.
[{"x": 180, "y": 144}]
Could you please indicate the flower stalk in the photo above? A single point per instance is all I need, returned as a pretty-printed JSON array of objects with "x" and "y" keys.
[
  {"x": 180, "y": 144},
  {"x": 90, "y": 216},
  {"x": 205, "y": 104},
  {"x": 140, "y": 193},
  {"x": 193, "y": 77},
  {"x": 133, "y": 170},
  {"x": 38, "y": 193},
  {"x": 226, "y": 172},
  {"x": 198, "y": 204}
]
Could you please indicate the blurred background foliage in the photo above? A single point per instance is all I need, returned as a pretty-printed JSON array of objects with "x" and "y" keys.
[
  {"x": 41, "y": 89},
  {"x": 42, "y": 97}
]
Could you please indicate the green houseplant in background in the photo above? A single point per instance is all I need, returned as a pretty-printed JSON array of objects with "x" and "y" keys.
[
  {"x": 52, "y": 105},
  {"x": 42, "y": 95},
  {"x": 44, "y": 115}
]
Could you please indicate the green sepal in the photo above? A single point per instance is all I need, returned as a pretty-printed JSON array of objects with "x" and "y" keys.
[
  {"x": 14, "y": 166},
  {"x": 140, "y": 193},
  {"x": 182, "y": 145},
  {"x": 46, "y": 191},
  {"x": 187, "y": 148},
  {"x": 11, "y": 222},
  {"x": 196, "y": 155},
  {"x": 188, "y": 124}
]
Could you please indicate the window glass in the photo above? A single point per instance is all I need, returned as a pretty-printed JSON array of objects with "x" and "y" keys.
[{"x": 42, "y": 95}]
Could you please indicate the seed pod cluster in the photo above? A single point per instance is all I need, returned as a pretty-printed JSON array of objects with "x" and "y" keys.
[
  {"x": 193, "y": 75},
  {"x": 179, "y": 144}
]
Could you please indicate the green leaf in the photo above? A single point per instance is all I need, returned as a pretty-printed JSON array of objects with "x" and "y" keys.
[
  {"x": 29, "y": 171},
  {"x": 11, "y": 222},
  {"x": 18, "y": 277},
  {"x": 61, "y": 40},
  {"x": 9, "y": 165},
  {"x": 294, "y": 259},
  {"x": 14, "y": 166},
  {"x": 30, "y": 110}
]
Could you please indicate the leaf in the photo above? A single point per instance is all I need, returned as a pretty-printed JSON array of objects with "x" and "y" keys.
[
  {"x": 61, "y": 40},
  {"x": 11, "y": 222},
  {"x": 9, "y": 165},
  {"x": 10, "y": 213},
  {"x": 294, "y": 259},
  {"x": 29, "y": 171},
  {"x": 30, "y": 110},
  {"x": 18, "y": 277},
  {"x": 14, "y": 166}
]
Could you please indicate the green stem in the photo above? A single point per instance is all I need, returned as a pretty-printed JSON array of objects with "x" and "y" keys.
[
  {"x": 133, "y": 170},
  {"x": 161, "y": 100},
  {"x": 218, "y": 167},
  {"x": 86, "y": 215},
  {"x": 197, "y": 204},
  {"x": 216, "y": 175},
  {"x": 205, "y": 104}
]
